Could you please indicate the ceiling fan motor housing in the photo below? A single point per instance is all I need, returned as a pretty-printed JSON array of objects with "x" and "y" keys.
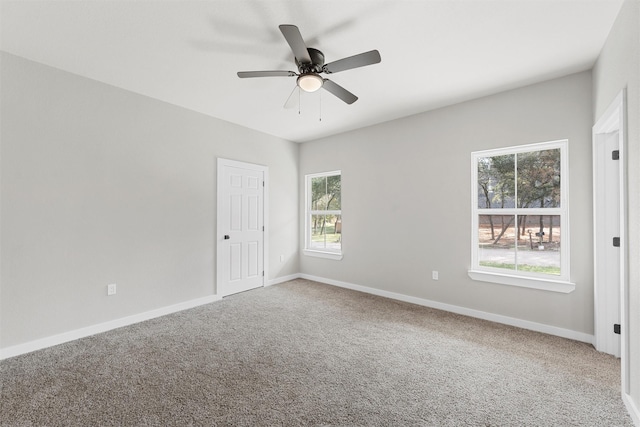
[{"x": 317, "y": 61}]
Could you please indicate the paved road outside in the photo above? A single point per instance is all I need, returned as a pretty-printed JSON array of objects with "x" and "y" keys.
[{"x": 525, "y": 256}]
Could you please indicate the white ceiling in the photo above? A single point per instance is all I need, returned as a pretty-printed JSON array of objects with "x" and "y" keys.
[{"x": 187, "y": 53}]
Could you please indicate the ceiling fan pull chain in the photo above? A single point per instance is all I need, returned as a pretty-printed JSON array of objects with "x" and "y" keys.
[
  {"x": 320, "y": 119},
  {"x": 299, "y": 101}
]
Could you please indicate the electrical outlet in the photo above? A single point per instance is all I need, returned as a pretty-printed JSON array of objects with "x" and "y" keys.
[
  {"x": 111, "y": 289},
  {"x": 434, "y": 275}
]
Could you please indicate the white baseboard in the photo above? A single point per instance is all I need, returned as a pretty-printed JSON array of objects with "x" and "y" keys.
[
  {"x": 282, "y": 279},
  {"x": 512, "y": 321},
  {"x": 129, "y": 320},
  {"x": 631, "y": 408},
  {"x": 64, "y": 337}
]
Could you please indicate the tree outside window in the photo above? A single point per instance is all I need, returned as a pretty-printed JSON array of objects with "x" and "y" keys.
[
  {"x": 520, "y": 212},
  {"x": 324, "y": 212}
]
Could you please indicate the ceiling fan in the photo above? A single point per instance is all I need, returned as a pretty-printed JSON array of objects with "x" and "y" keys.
[{"x": 310, "y": 63}]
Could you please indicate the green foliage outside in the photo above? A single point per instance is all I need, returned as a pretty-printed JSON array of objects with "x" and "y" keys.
[
  {"x": 325, "y": 196},
  {"x": 522, "y": 181},
  {"x": 325, "y": 193},
  {"x": 545, "y": 269},
  {"x": 537, "y": 183},
  {"x": 331, "y": 235}
]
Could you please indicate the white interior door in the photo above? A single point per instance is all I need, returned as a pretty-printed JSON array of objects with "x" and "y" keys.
[
  {"x": 240, "y": 234},
  {"x": 607, "y": 256},
  {"x": 611, "y": 284}
]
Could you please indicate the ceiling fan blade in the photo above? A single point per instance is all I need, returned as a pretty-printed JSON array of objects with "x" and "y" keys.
[
  {"x": 296, "y": 42},
  {"x": 355, "y": 61},
  {"x": 339, "y": 91},
  {"x": 248, "y": 74}
]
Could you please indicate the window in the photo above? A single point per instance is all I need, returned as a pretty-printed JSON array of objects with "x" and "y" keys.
[
  {"x": 520, "y": 216},
  {"x": 323, "y": 223}
]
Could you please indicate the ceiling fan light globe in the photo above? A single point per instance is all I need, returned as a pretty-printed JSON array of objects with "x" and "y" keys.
[{"x": 310, "y": 82}]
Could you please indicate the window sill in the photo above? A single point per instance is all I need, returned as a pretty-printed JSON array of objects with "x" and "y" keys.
[
  {"x": 524, "y": 282},
  {"x": 320, "y": 254}
]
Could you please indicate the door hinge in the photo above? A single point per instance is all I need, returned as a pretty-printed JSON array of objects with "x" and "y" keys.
[
  {"x": 616, "y": 242},
  {"x": 263, "y": 183},
  {"x": 263, "y": 274},
  {"x": 263, "y": 228},
  {"x": 615, "y": 155},
  {"x": 616, "y": 328}
]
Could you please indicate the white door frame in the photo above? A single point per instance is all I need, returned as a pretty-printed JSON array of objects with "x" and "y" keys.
[
  {"x": 220, "y": 227},
  {"x": 613, "y": 120}
]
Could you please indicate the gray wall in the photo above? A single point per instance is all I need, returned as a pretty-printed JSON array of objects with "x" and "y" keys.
[
  {"x": 406, "y": 199},
  {"x": 618, "y": 67},
  {"x": 100, "y": 185}
]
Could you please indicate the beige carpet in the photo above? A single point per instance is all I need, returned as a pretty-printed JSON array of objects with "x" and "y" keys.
[{"x": 304, "y": 353}]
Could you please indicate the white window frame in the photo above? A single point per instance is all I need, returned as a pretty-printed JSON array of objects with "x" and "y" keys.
[
  {"x": 561, "y": 283},
  {"x": 327, "y": 253}
]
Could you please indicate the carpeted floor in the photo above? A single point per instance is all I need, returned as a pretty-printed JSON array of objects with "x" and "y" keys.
[{"x": 304, "y": 353}]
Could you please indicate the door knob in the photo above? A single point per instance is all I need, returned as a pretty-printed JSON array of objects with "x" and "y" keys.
[{"x": 226, "y": 237}]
